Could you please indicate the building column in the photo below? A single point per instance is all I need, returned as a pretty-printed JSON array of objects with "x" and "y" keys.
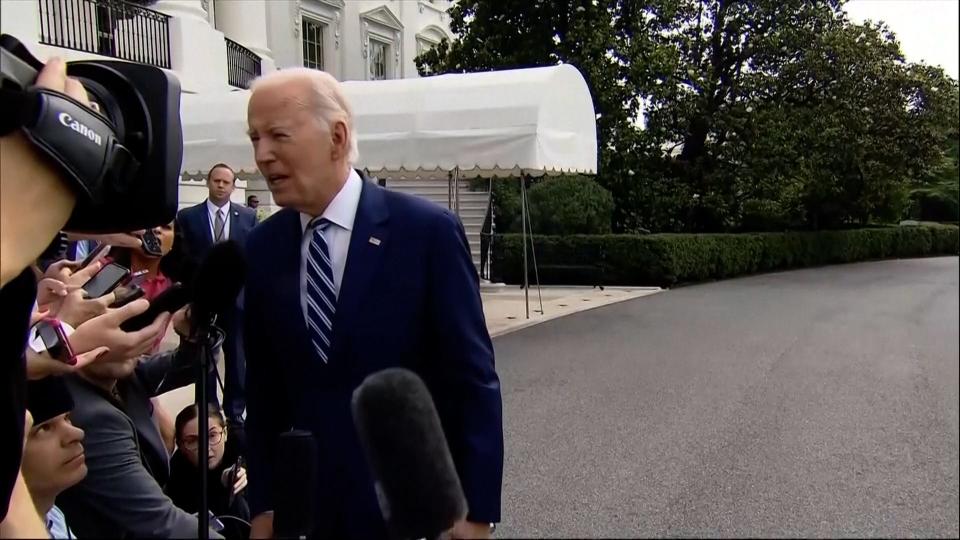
[
  {"x": 181, "y": 8},
  {"x": 198, "y": 54},
  {"x": 246, "y": 23}
]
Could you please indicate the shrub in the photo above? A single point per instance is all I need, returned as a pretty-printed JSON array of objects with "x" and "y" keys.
[
  {"x": 667, "y": 259},
  {"x": 558, "y": 206}
]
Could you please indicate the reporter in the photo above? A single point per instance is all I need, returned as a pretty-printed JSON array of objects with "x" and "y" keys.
[
  {"x": 126, "y": 459},
  {"x": 53, "y": 457},
  {"x": 222, "y": 485}
]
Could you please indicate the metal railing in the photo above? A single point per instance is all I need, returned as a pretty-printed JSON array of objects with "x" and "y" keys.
[
  {"x": 107, "y": 27},
  {"x": 243, "y": 65}
]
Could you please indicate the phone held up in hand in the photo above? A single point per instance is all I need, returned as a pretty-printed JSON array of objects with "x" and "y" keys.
[{"x": 55, "y": 341}]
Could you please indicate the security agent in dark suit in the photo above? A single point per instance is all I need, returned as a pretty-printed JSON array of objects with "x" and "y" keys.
[
  {"x": 127, "y": 462},
  {"x": 349, "y": 279},
  {"x": 198, "y": 228}
]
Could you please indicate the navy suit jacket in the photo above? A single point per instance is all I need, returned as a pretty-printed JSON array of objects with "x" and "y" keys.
[
  {"x": 410, "y": 300},
  {"x": 193, "y": 229}
]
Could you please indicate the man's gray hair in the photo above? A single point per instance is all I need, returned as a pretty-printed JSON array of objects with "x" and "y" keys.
[{"x": 329, "y": 101}]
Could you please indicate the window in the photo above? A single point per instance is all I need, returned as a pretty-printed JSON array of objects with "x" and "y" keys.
[
  {"x": 312, "y": 37},
  {"x": 378, "y": 60}
]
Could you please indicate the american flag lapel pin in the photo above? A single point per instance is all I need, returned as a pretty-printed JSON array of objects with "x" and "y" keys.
[{"x": 374, "y": 240}]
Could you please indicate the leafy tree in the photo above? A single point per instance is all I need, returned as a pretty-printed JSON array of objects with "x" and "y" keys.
[{"x": 761, "y": 113}]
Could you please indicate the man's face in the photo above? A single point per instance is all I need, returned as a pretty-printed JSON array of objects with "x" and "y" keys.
[
  {"x": 53, "y": 458},
  {"x": 292, "y": 147},
  {"x": 253, "y": 202},
  {"x": 220, "y": 185}
]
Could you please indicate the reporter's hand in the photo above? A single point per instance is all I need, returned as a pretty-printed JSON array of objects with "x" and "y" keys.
[
  {"x": 262, "y": 526},
  {"x": 181, "y": 322},
  {"x": 105, "y": 331},
  {"x": 62, "y": 269},
  {"x": 50, "y": 291},
  {"x": 31, "y": 180},
  {"x": 75, "y": 309},
  {"x": 239, "y": 483},
  {"x": 40, "y": 365},
  {"x": 126, "y": 240},
  {"x": 66, "y": 272}
]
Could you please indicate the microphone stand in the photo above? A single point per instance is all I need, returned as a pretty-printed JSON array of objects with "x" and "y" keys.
[{"x": 209, "y": 337}]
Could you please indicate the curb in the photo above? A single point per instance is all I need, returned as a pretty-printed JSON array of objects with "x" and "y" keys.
[{"x": 649, "y": 291}]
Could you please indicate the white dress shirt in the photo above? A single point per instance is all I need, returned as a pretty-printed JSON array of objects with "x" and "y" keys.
[
  {"x": 341, "y": 213},
  {"x": 212, "y": 213}
]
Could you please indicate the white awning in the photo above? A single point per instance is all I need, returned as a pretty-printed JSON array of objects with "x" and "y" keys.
[{"x": 538, "y": 120}]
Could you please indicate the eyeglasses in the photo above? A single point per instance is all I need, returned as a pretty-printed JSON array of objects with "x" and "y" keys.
[{"x": 190, "y": 441}]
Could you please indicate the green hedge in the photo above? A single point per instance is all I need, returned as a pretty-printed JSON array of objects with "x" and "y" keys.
[{"x": 667, "y": 259}]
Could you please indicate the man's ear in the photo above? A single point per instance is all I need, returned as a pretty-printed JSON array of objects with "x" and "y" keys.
[{"x": 340, "y": 139}]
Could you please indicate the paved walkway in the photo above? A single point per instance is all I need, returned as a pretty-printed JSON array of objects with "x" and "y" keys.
[{"x": 504, "y": 309}]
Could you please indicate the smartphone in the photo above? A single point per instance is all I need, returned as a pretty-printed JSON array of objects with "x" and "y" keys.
[
  {"x": 98, "y": 253},
  {"x": 233, "y": 480},
  {"x": 151, "y": 244},
  {"x": 136, "y": 279},
  {"x": 126, "y": 294},
  {"x": 55, "y": 341},
  {"x": 168, "y": 301},
  {"x": 106, "y": 280}
]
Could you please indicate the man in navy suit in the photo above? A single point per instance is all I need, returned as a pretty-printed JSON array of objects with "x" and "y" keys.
[
  {"x": 349, "y": 279},
  {"x": 197, "y": 229}
]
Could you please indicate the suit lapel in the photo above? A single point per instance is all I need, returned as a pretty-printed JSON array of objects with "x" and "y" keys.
[
  {"x": 368, "y": 242},
  {"x": 203, "y": 220},
  {"x": 287, "y": 283},
  {"x": 234, "y": 217}
]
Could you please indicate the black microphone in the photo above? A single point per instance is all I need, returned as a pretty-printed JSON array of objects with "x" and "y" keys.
[
  {"x": 417, "y": 484},
  {"x": 295, "y": 485},
  {"x": 216, "y": 283}
]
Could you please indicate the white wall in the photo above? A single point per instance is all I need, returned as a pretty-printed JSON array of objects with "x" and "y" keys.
[{"x": 346, "y": 61}]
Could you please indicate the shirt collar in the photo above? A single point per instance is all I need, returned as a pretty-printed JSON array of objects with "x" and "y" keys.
[
  {"x": 342, "y": 210},
  {"x": 212, "y": 208}
]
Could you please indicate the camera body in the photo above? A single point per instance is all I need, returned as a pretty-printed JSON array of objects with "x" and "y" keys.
[{"x": 123, "y": 161}]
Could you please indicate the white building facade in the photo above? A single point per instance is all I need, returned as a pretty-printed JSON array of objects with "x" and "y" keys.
[{"x": 217, "y": 46}]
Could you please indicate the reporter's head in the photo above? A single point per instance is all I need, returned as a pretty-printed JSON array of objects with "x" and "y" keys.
[
  {"x": 187, "y": 435},
  {"x": 53, "y": 457}
]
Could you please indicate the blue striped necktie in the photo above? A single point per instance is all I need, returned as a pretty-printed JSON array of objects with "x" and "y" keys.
[{"x": 321, "y": 292}]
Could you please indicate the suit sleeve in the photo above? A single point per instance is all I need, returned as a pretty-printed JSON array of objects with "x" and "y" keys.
[
  {"x": 265, "y": 413},
  {"x": 169, "y": 370},
  {"x": 119, "y": 485},
  {"x": 465, "y": 383}
]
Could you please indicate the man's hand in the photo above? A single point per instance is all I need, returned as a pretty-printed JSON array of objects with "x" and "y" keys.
[
  {"x": 50, "y": 291},
  {"x": 126, "y": 240},
  {"x": 75, "y": 309},
  {"x": 105, "y": 331},
  {"x": 181, "y": 322},
  {"x": 31, "y": 182},
  {"x": 464, "y": 530},
  {"x": 261, "y": 527},
  {"x": 40, "y": 365},
  {"x": 67, "y": 272}
]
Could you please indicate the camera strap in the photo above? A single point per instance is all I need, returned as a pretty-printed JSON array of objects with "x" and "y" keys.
[{"x": 82, "y": 142}]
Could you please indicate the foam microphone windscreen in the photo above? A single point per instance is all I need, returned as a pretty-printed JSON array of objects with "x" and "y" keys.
[
  {"x": 417, "y": 484},
  {"x": 217, "y": 281},
  {"x": 295, "y": 485}
]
